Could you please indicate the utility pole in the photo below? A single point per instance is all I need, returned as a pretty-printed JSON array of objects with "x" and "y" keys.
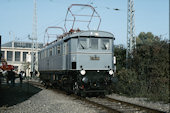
[
  {"x": 34, "y": 54},
  {"x": 131, "y": 39},
  {"x": 13, "y": 40}
]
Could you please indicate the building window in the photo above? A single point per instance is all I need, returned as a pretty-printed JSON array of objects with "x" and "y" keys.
[
  {"x": 17, "y": 56},
  {"x": 9, "y": 55},
  {"x": 2, "y": 53},
  {"x": 24, "y": 55}
]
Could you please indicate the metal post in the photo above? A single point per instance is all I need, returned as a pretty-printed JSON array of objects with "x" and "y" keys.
[
  {"x": 32, "y": 54},
  {"x": 32, "y": 58},
  {"x": 34, "y": 42},
  {"x": 131, "y": 39}
]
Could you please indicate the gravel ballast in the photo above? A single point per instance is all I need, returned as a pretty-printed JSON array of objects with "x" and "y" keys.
[
  {"x": 143, "y": 102},
  {"x": 48, "y": 101}
]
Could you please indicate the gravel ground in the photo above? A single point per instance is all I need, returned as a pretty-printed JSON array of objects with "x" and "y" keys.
[
  {"x": 143, "y": 101},
  {"x": 48, "y": 101}
]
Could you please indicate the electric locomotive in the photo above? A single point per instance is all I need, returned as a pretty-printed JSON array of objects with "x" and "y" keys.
[{"x": 80, "y": 61}]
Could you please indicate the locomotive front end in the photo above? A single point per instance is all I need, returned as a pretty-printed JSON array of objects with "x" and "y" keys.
[{"x": 95, "y": 62}]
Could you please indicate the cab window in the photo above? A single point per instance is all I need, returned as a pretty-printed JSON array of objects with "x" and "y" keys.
[
  {"x": 94, "y": 43},
  {"x": 105, "y": 45},
  {"x": 50, "y": 50},
  {"x": 82, "y": 43},
  {"x": 58, "y": 49}
]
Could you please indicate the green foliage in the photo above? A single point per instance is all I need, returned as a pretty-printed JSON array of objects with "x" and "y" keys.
[
  {"x": 146, "y": 38},
  {"x": 127, "y": 83},
  {"x": 149, "y": 72},
  {"x": 120, "y": 54},
  {"x": 151, "y": 62}
]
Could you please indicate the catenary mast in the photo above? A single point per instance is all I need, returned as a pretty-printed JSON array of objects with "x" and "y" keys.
[
  {"x": 131, "y": 39},
  {"x": 34, "y": 54}
]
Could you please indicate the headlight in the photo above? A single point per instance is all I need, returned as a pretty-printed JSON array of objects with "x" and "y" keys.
[
  {"x": 111, "y": 72},
  {"x": 85, "y": 79},
  {"x": 83, "y": 72}
]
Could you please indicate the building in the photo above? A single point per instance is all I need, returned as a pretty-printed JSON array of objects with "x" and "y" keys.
[{"x": 18, "y": 55}]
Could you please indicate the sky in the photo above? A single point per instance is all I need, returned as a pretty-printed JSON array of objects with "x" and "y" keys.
[{"x": 16, "y": 17}]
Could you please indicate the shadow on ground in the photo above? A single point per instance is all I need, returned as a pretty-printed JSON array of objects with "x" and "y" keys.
[{"x": 12, "y": 95}]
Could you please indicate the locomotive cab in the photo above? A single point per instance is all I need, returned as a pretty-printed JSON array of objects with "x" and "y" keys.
[{"x": 92, "y": 57}]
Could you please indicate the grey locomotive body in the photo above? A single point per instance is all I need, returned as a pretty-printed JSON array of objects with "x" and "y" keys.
[{"x": 81, "y": 62}]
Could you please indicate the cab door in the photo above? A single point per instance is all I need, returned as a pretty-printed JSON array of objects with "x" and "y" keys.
[{"x": 65, "y": 56}]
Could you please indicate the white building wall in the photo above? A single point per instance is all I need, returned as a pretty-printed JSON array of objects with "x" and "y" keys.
[{"x": 17, "y": 63}]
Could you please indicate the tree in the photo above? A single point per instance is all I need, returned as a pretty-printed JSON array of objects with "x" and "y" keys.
[
  {"x": 26, "y": 66},
  {"x": 146, "y": 38},
  {"x": 151, "y": 63},
  {"x": 149, "y": 72},
  {"x": 120, "y": 53}
]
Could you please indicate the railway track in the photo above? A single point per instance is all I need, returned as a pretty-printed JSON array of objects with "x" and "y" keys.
[
  {"x": 35, "y": 83},
  {"x": 109, "y": 105},
  {"x": 118, "y": 106},
  {"x": 134, "y": 106}
]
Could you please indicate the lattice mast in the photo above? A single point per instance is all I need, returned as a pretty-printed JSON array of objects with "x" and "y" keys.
[
  {"x": 34, "y": 54},
  {"x": 131, "y": 39}
]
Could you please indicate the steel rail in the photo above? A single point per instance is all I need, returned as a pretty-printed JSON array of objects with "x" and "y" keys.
[
  {"x": 108, "y": 109},
  {"x": 149, "y": 110}
]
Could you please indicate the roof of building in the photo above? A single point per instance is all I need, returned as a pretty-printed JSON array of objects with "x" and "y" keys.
[{"x": 20, "y": 44}]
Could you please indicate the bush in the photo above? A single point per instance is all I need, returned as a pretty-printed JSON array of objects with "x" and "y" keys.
[
  {"x": 127, "y": 82},
  {"x": 148, "y": 75}
]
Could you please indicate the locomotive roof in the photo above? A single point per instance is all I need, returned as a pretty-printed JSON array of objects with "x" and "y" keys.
[{"x": 91, "y": 33}]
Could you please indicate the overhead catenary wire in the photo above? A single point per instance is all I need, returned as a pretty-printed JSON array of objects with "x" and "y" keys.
[{"x": 61, "y": 19}]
